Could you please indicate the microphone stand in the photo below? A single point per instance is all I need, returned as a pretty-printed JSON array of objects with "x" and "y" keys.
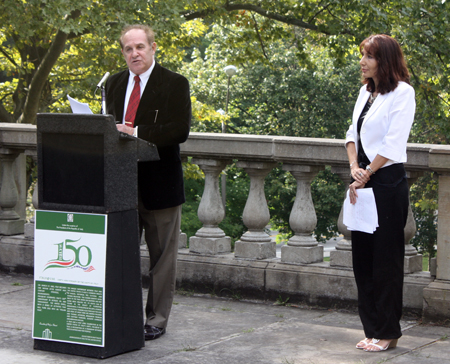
[
  {"x": 102, "y": 87},
  {"x": 103, "y": 110}
]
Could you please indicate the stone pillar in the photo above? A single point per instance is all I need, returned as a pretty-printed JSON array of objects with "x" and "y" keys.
[
  {"x": 29, "y": 226},
  {"x": 413, "y": 260},
  {"x": 256, "y": 243},
  {"x": 342, "y": 256},
  {"x": 11, "y": 223},
  {"x": 302, "y": 247},
  {"x": 182, "y": 243},
  {"x": 437, "y": 295},
  {"x": 210, "y": 239}
]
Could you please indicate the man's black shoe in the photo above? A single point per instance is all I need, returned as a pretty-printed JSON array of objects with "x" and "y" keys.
[{"x": 153, "y": 332}]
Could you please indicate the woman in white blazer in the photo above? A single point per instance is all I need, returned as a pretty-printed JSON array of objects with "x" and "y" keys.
[{"x": 376, "y": 148}]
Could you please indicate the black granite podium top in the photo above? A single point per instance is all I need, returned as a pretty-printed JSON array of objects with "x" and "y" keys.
[{"x": 86, "y": 165}]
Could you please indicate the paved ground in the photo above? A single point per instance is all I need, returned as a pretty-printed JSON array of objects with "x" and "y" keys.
[{"x": 208, "y": 330}]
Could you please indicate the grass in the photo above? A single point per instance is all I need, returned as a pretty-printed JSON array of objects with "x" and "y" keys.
[
  {"x": 281, "y": 302},
  {"x": 187, "y": 348},
  {"x": 183, "y": 292},
  {"x": 236, "y": 295},
  {"x": 286, "y": 361}
]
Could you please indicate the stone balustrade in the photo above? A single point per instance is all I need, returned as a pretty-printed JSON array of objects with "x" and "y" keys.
[
  {"x": 302, "y": 255},
  {"x": 303, "y": 158}
]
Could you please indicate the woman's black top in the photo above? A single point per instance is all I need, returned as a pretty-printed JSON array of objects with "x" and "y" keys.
[{"x": 363, "y": 161}]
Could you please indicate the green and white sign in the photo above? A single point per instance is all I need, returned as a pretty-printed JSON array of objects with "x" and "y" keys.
[{"x": 69, "y": 277}]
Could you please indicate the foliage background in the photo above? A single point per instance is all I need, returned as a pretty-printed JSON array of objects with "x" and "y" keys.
[{"x": 298, "y": 76}]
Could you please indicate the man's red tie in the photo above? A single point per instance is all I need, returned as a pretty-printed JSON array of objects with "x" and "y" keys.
[{"x": 133, "y": 103}]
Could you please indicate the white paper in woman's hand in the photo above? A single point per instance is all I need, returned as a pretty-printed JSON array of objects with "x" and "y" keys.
[{"x": 362, "y": 216}]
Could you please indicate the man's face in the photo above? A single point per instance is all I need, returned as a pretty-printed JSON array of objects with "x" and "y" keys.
[{"x": 137, "y": 52}]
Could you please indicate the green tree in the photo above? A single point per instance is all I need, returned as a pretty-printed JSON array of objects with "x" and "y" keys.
[
  {"x": 50, "y": 48},
  {"x": 35, "y": 34},
  {"x": 421, "y": 27},
  {"x": 278, "y": 96}
]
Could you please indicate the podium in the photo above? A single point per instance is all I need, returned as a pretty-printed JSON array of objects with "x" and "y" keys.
[{"x": 87, "y": 173}]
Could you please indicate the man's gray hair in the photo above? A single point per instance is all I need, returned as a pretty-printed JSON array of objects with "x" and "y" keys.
[{"x": 148, "y": 32}]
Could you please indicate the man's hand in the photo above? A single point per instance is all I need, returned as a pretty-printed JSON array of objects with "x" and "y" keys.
[{"x": 125, "y": 129}]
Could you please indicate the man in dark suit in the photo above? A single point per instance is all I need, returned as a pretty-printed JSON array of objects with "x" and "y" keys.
[{"x": 155, "y": 107}]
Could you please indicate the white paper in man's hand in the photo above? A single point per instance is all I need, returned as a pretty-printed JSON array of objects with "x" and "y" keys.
[
  {"x": 362, "y": 216},
  {"x": 79, "y": 107}
]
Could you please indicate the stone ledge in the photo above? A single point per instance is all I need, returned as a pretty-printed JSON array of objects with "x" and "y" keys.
[
  {"x": 268, "y": 279},
  {"x": 436, "y": 302},
  {"x": 17, "y": 254}
]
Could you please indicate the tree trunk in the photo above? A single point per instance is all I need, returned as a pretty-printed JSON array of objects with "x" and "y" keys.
[{"x": 40, "y": 77}]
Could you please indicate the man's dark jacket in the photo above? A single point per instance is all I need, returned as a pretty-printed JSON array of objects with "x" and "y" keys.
[{"x": 163, "y": 118}]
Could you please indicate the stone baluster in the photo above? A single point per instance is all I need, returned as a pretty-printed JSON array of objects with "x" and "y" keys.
[
  {"x": 256, "y": 243},
  {"x": 342, "y": 256},
  {"x": 210, "y": 239},
  {"x": 29, "y": 226},
  {"x": 302, "y": 247},
  {"x": 413, "y": 260},
  {"x": 443, "y": 242},
  {"x": 11, "y": 223},
  {"x": 437, "y": 294},
  {"x": 182, "y": 242}
]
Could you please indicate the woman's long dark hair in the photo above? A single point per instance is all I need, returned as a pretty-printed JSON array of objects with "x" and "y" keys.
[{"x": 391, "y": 63}]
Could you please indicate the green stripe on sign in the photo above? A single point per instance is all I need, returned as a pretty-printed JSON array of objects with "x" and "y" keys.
[{"x": 70, "y": 221}]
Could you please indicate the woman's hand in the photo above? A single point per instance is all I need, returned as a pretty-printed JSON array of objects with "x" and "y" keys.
[
  {"x": 352, "y": 191},
  {"x": 360, "y": 175}
]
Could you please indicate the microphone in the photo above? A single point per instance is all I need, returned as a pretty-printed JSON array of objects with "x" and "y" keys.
[{"x": 102, "y": 81}]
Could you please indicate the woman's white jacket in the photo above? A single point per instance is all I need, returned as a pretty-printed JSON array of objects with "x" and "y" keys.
[{"x": 385, "y": 129}]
